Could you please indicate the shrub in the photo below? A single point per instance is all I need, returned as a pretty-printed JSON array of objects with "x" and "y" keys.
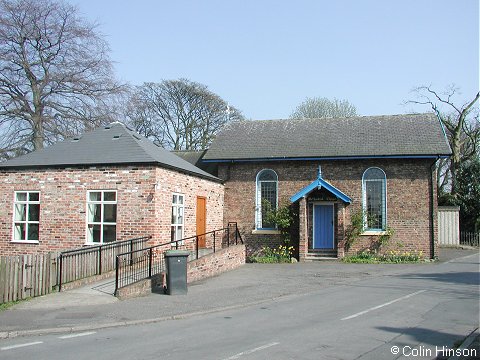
[
  {"x": 354, "y": 230},
  {"x": 282, "y": 218},
  {"x": 391, "y": 257},
  {"x": 267, "y": 255}
]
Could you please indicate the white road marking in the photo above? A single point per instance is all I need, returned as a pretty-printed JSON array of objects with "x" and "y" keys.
[
  {"x": 77, "y": 335},
  {"x": 460, "y": 258},
  {"x": 20, "y": 345},
  {"x": 380, "y": 306},
  {"x": 248, "y": 352}
]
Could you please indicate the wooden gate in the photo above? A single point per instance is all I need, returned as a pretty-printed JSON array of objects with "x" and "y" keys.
[
  {"x": 448, "y": 225},
  {"x": 25, "y": 276}
]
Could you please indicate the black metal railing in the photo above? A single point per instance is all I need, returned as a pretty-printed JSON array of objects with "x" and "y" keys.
[
  {"x": 142, "y": 264},
  {"x": 94, "y": 260},
  {"x": 470, "y": 238}
]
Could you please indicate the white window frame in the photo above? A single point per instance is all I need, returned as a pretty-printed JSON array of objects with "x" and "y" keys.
[
  {"x": 384, "y": 201},
  {"x": 27, "y": 222},
  {"x": 181, "y": 225},
  {"x": 102, "y": 202},
  {"x": 258, "y": 199}
]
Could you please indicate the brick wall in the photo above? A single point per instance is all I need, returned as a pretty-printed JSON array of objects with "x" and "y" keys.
[
  {"x": 169, "y": 182},
  {"x": 216, "y": 263},
  {"x": 210, "y": 265},
  {"x": 408, "y": 196},
  {"x": 144, "y": 197}
]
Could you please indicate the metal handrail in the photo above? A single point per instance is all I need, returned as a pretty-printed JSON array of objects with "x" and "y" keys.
[
  {"x": 238, "y": 237},
  {"x": 111, "y": 244},
  {"x": 98, "y": 249},
  {"x": 175, "y": 244}
]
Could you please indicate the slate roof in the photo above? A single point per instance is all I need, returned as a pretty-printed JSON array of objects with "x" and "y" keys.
[
  {"x": 195, "y": 157},
  {"x": 108, "y": 145},
  {"x": 416, "y": 135}
]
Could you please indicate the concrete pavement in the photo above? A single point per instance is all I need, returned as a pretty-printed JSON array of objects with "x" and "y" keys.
[
  {"x": 338, "y": 312},
  {"x": 93, "y": 307}
]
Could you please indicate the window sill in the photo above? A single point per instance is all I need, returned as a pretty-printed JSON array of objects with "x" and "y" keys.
[
  {"x": 34, "y": 242},
  {"x": 373, "y": 233},
  {"x": 265, "y": 232}
]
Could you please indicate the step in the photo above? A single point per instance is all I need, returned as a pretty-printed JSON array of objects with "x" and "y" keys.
[
  {"x": 321, "y": 255},
  {"x": 325, "y": 252}
]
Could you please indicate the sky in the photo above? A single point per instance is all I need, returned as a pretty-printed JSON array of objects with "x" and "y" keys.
[{"x": 266, "y": 56}]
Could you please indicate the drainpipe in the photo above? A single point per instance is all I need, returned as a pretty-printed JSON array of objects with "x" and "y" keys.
[{"x": 432, "y": 209}]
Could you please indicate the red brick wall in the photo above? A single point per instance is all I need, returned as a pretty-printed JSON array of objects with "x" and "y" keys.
[
  {"x": 144, "y": 196},
  {"x": 216, "y": 263},
  {"x": 210, "y": 265},
  {"x": 408, "y": 196},
  {"x": 169, "y": 182}
]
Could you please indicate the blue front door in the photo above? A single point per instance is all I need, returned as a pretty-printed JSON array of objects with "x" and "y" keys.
[{"x": 323, "y": 227}]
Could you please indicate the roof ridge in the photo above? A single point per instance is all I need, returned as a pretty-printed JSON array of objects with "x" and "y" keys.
[
  {"x": 193, "y": 150},
  {"x": 333, "y": 118}
]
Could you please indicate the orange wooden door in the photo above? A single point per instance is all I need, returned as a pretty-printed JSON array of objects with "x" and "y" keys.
[{"x": 201, "y": 220}]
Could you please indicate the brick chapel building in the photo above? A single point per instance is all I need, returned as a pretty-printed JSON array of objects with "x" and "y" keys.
[{"x": 328, "y": 170}]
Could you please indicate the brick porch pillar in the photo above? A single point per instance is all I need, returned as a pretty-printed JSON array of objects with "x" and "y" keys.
[{"x": 303, "y": 229}]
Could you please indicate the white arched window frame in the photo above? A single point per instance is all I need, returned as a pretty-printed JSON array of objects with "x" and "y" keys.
[
  {"x": 266, "y": 191},
  {"x": 374, "y": 194}
]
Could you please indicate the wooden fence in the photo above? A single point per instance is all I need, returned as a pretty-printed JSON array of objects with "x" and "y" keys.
[
  {"x": 25, "y": 276},
  {"x": 94, "y": 260},
  {"x": 449, "y": 225}
]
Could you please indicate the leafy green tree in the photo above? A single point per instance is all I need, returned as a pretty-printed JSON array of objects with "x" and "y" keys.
[
  {"x": 317, "y": 107},
  {"x": 468, "y": 194}
]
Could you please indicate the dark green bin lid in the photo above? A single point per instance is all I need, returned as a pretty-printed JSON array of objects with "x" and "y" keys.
[{"x": 179, "y": 253}]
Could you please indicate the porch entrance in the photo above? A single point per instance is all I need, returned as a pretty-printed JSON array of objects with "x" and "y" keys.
[
  {"x": 201, "y": 220},
  {"x": 323, "y": 238}
]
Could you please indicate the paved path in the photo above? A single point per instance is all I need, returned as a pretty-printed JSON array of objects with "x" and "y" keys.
[
  {"x": 309, "y": 311},
  {"x": 93, "y": 307}
]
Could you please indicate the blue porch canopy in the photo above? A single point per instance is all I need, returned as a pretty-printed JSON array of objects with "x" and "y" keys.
[{"x": 319, "y": 184}]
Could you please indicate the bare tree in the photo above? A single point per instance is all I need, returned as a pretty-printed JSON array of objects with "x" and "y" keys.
[
  {"x": 462, "y": 127},
  {"x": 55, "y": 74},
  {"x": 316, "y": 108},
  {"x": 178, "y": 114}
]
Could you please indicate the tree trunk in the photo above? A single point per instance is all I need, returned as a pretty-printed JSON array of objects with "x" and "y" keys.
[
  {"x": 456, "y": 160},
  {"x": 38, "y": 132}
]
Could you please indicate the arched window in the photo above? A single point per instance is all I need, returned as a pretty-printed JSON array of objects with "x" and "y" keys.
[
  {"x": 374, "y": 187},
  {"x": 266, "y": 197}
]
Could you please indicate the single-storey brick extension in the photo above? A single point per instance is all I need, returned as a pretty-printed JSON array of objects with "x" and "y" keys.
[
  {"x": 109, "y": 184},
  {"x": 329, "y": 169},
  {"x": 113, "y": 184}
]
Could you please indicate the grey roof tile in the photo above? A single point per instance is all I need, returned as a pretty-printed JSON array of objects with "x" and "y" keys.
[
  {"x": 195, "y": 157},
  {"x": 364, "y": 136},
  {"x": 108, "y": 145}
]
